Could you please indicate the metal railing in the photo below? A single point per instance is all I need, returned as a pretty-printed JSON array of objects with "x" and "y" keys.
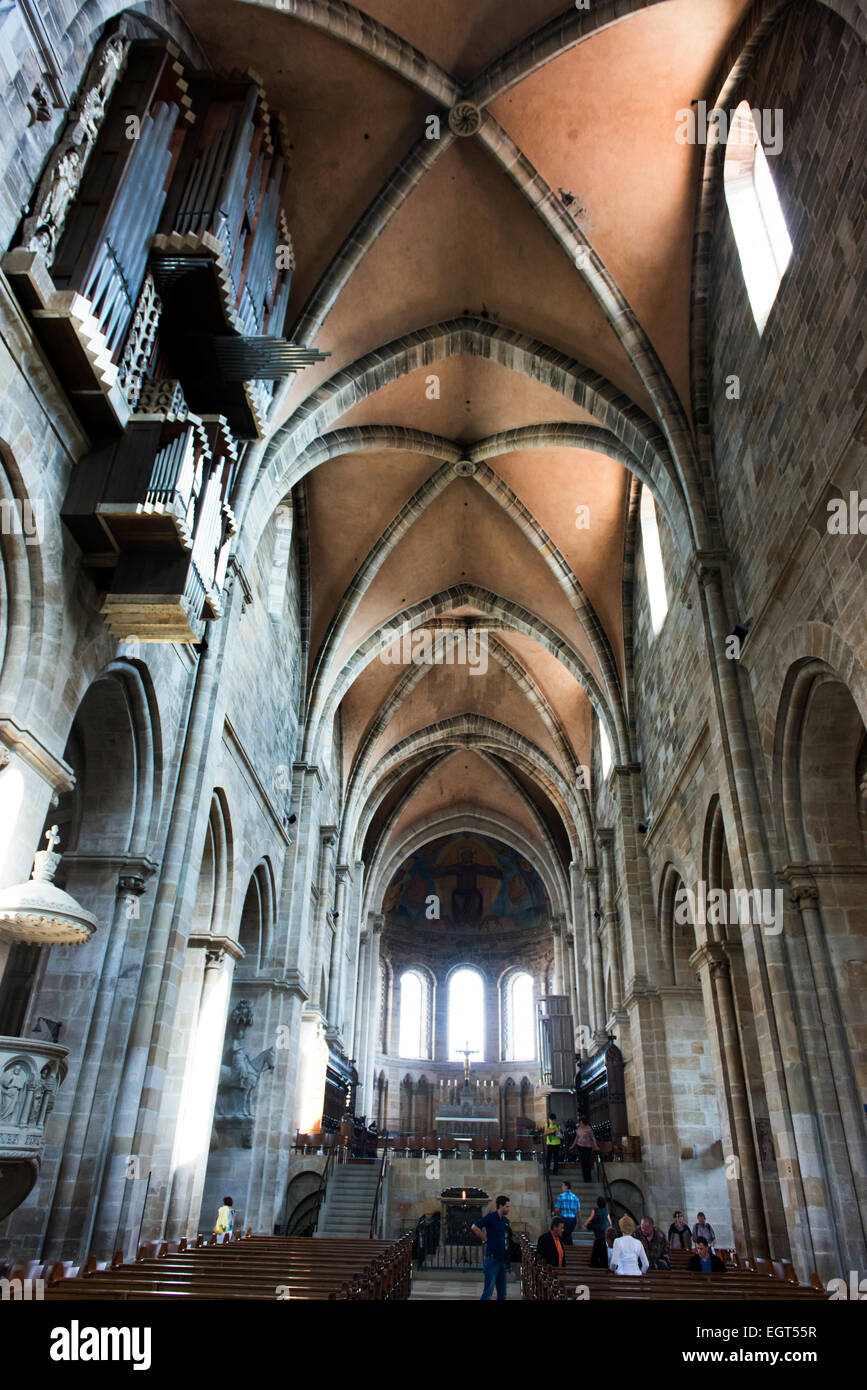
[
  {"x": 611, "y": 1199},
  {"x": 330, "y": 1160},
  {"x": 383, "y": 1165}
]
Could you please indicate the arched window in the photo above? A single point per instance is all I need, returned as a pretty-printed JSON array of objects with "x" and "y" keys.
[
  {"x": 520, "y": 1018},
  {"x": 653, "y": 568},
  {"x": 604, "y": 749},
  {"x": 466, "y": 1015},
  {"x": 763, "y": 241},
  {"x": 412, "y": 1029}
]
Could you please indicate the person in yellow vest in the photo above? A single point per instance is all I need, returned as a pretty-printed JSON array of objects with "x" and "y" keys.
[
  {"x": 225, "y": 1222},
  {"x": 552, "y": 1143}
]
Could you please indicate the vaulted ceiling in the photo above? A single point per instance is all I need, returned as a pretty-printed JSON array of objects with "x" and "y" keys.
[{"x": 507, "y": 318}]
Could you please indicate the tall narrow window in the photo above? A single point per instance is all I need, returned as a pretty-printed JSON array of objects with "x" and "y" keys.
[
  {"x": 466, "y": 1016},
  {"x": 604, "y": 749},
  {"x": 653, "y": 569},
  {"x": 762, "y": 238},
  {"x": 412, "y": 1032},
  {"x": 520, "y": 1018}
]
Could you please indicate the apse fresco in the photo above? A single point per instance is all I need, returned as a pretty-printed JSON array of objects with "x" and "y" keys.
[{"x": 475, "y": 883}]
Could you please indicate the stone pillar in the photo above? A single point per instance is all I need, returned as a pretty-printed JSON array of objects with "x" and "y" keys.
[
  {"x": 373, "y": 995},
  {"x": 786, "y": 1077},
  {"x": 843, "y": 1153},
  {"x": 356, "y": 903},
  {"x": 137, "y": 1107},
  {"x": 583, "y": 1012},
  {"x": 605, "y": 840},
  {"x": 70, "y": 1222},
  {"x": 201, "y": 1078},
  {"x": 593, "y": 916},
  {"x": 336, "y": 984},
  {"x": 712, "y": 965},
  {"x": 557, "y": 936},
  {"x": 358, "y": 1000}
]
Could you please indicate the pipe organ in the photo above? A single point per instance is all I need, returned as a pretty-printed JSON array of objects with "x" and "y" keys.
[{"x": 155, "y": 267}]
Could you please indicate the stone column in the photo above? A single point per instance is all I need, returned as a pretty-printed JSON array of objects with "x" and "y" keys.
[
  {"x": 137, "y": 1106},
  {"x": 373, "y": 1010},
  {"x": 844, "y": 1153},
  {"x": 336, "y": 986},
  {"x": 201, "y": 1078},
  {"x": 605, "y": 840},
  {"x": 557, "y": 936},
  {"x": 786, "y": 1077},
  {"x": 583, "y": 1018},
  {"x": 359, "y": 1012},
  {"x": 70, "y": 1223},
  {"x": 711, "y": 964},
  {"x": 593, "y": 916}
]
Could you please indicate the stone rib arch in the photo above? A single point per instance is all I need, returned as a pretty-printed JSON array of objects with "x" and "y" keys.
[
  {"x": 622, "y": 319},
  {"x": 359, "y": 30},
  {"x": 407, "y": 683},
  {"x": 506, "y": 499},
  {"x": 466, "y": 335},
  {"x": 498, "y": 825},
  {"x": 431, "y": 488},
  {"x": 466, "y": 813},
  {"x": 422, "y": 758},
  {"x": 506, "y": 614},
  {"x": 477, "y": 731}
]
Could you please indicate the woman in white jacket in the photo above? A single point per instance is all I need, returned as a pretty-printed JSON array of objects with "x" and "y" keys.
[{"x": 627, "y": 1254}]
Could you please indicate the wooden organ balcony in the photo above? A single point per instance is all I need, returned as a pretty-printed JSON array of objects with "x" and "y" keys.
[
  {"x": 155, "y": 267},
  {"x": 153, "y": 506}
]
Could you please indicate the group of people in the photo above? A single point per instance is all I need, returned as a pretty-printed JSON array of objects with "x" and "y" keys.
[
  {"x": 583, "y": 1145},
  {"x": 629, "y": 1253}
]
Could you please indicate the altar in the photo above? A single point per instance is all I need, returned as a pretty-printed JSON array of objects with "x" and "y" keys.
[{"x": 468, "y": 1111}]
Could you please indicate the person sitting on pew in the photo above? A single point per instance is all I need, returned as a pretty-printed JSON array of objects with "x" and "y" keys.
[
  {"x": 679, "y": 1234},
  {"x": 610, "y": 1236},
  {"x": 549, "y": 1246},
  {"x": 627, "y": 1253},
  {"x": 655, "y": 1244},
  {"x": 704, "y": 1261}
]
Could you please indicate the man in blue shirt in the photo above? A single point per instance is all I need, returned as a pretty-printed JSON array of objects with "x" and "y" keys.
[
  {"x": 568, "y": 1206},
  {"x": 493, "y": 1232}
]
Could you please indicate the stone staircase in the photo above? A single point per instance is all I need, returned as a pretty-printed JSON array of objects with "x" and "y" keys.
[
  {"x": 586, "y": 1192},
  {"x": 349, "y": 1200}
]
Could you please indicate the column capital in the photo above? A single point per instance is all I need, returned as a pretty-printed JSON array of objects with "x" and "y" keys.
[
  {"x": 225, "y": 944},
  {"x": 328, "y": 835},
  {"x": 131, "y": 884},
  {"x": 713, "y": 955},
  {"x": 803, "y": 889},
  {"x": 605, "y": 838},
  {"x": 343, "y": 873}
]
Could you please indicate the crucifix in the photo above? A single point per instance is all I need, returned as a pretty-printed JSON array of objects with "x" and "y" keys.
[
  {"x": 467, "y": 1052},
  {"x": 53, "y": 837}
]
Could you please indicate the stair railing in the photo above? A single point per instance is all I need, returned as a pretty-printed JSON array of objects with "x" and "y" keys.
[
  {"x": 333, "y": 1151},
  {"x": 380, "y": 1182},
  {"x": 609, "y": 1195}
]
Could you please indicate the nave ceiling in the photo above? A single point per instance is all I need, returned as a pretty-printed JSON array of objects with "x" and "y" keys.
[{"x": 558, "y": 383}]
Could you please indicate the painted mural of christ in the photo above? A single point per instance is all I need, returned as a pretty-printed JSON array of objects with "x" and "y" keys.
[{"x": 466, "y": 895}]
